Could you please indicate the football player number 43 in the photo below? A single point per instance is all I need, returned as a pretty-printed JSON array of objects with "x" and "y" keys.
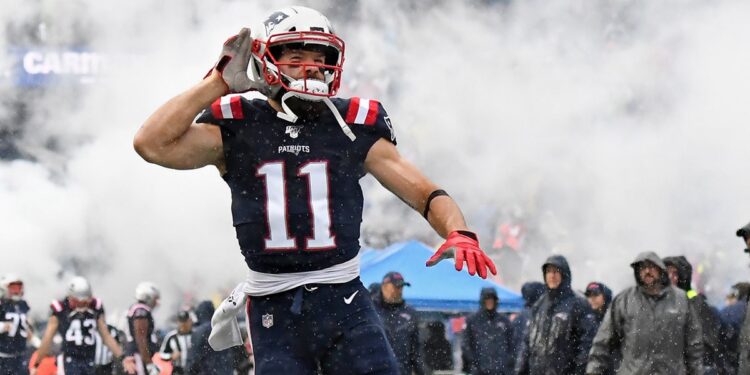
[
  {"x": 81, "y": 333},
  {"x": 276, "y": 206}
]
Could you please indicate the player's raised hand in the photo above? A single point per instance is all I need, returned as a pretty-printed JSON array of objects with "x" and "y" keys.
[
  {"x": 233, "y": 61},
  {"x": 463, "y": 246}
]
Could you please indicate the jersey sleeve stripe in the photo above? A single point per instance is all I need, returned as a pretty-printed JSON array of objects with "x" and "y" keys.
[
  {"x": 364, "y": 106},
  {"x": 56, "y": 305},
  {"x": 236, "y": 107},
  {"x": 98, "y": 303},
  {"x": 372, "y": 113},
  {"x": 351, "y": 113},
  {"x": 216, "y": 108},
  {"x": 227, "y": 107}
]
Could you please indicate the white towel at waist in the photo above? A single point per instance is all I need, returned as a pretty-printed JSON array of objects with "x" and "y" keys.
[{"x": 225, "y": 330}]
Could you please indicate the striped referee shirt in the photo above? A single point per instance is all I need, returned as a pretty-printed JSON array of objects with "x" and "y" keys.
[
  {"x": 176, "y": 342},
  {"x": 103, "y": 355}
]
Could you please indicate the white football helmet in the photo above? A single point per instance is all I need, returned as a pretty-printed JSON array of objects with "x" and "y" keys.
[
  {"x": 147, "y": 292},
  {"x": 299, "y": 27},
  {"x": 11, "y": 286},
  {"x": 79, "y": 288}
]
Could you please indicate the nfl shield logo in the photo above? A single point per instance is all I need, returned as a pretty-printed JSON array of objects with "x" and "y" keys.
[{"x": 267, "y": 320}]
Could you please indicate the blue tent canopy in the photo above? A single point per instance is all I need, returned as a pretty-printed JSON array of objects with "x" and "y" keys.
[{"x": 437, "y": 288}]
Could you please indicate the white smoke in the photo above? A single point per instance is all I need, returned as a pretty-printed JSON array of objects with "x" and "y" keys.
[{"x": 609, "y": 128}]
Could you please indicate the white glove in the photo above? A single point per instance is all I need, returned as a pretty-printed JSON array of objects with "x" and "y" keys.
[
  {"x": 153, "y": 369},
  {"x": 35, "y": 341},
  {"x": 233, "y": 61}
]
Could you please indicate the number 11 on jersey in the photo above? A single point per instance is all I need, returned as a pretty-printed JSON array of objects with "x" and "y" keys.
[{"x": 276, "y": 206}]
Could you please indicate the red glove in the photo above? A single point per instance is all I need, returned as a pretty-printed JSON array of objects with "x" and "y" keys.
[{"x": 464, "y": 246}]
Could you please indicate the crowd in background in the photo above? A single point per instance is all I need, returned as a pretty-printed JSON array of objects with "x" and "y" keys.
[{"x": 658, "y": 325}]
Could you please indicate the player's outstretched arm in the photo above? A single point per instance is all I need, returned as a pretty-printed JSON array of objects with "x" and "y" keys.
[
  {"x": 44, "y": 347},
  {"x": 403, "y": 179}
]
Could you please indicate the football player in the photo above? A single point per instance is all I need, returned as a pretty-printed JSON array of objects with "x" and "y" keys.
[
  {"x": 142, "y": 341},
  {"x": 77, "y": 318},
  {"x": 14, "y": 326},
  {"x": 293, "y": 163}
]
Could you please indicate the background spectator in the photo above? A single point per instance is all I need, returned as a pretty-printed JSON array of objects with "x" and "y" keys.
[
  {"x": 401, "y": 324},
  {"x": 681, "y": 275},
  {"x": 487, "y": 343},
  {"x": 438, "y": 353},
  {"x": 561, "y": 327},
  {"x": 663, "y": 334}
]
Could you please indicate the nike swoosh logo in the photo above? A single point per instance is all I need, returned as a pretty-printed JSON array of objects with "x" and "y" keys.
[{"x": 351, "y": 298}]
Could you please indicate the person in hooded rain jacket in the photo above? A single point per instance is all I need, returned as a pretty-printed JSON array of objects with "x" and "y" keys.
[
  {"x": 487, "y": 345},
  {"x": 531, "y": 291},
  {"x": 680, "y": 273},
  {"x": 561, "y": 328},
  {"x": 438, "y": 352},
  {"x": 651, "y": 326}
]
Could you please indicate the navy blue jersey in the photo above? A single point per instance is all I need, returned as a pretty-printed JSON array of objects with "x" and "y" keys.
[
  {"x": 78, "y": 327},
  {"x": 13, "y": 341},
  {"x": 140, "y": 311},
  {"x": 296, "y": 198}
]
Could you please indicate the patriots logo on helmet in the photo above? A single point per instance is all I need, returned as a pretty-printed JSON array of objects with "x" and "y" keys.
[{"x": 274, "y": 19}]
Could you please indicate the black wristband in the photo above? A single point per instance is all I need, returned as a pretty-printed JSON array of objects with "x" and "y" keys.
[
  {"x": 432, "y": 196},
  {"x": 469, "y": 234}
]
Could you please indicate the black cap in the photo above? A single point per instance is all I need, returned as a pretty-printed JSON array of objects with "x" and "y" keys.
[
  {"x": 183, "y": 315},
  {"x": 395, "y": 278},
  {"x": 594, "y": 289}
]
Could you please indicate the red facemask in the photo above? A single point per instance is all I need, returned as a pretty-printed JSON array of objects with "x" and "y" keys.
[
  {"x": 15, "y": 289},
  {"x": 79, "y": 303},
  {"x": 334, "y": 65}
]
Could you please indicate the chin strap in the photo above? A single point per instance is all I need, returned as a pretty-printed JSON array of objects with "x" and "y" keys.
[
  {"x": 288, "y": 114},
  {"x": 344, "y": 127}
]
